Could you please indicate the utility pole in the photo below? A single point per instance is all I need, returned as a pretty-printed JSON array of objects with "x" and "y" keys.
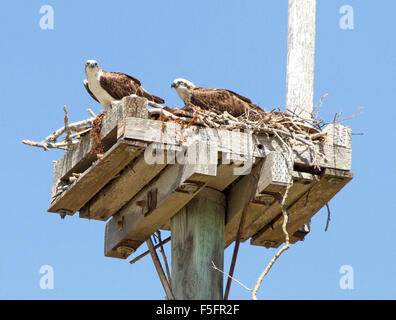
[
  {"x": 301, "y": 58},
  {"x": 197, "y": 240}
]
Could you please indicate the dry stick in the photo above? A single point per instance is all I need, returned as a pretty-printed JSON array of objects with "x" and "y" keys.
[
  {"x": 72, "y": 126},
  {"x": 160, "y": 270},
  {"x": 235, "y": 253},
  {"x": 284, "y": 248},
  {"x": 78, "y": 134},
  {"x": 350, "y": 117},
  {"x": 164, "y": 257},
  {"x": 46, "y": 145},
  {"x": 148, "y": 251},
  {"x": 237, "y": 281},
  {"x": 155, "y": 105},
  {"x": 284, "y": 224},
  {"x": 328, "y": 216},
  {"x": 166, "y": 114},
  {"x": 91, "y": 113},
  {"x": 67, "y": 129}
]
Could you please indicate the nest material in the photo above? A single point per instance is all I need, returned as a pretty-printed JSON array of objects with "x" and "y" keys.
[
  {"x": 97, "y": 145},
  {"x": 268, "y": 123}
]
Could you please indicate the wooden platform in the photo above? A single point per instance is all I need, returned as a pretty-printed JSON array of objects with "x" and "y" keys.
[{"x": 148, "y": 174}]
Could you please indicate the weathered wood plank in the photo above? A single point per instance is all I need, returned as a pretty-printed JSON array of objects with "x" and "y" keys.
[
  {"x": 231, "y": 142},
  {"x": 95, "y": 178},
  {"x": 301, "y": 57},
  {"x": 225, "y": 177},
  {"x": 305, "y": 207},
  {"x": 197, "y": 240},
  {"x": 119, "y": 191},
  {"x": 140, "y": 217},
  {"x": 79, "y": 158}
]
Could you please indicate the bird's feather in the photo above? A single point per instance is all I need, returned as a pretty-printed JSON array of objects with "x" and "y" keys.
[
  {"x": 119, "y": 85},
  {"x": 89, "y": 91},
  {"x": 222, "y": 100}
]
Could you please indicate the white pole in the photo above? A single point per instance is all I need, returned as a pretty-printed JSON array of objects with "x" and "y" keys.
[{"x": 301, "y": 57}]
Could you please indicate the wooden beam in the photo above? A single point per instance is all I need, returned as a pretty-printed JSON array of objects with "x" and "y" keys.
[
  {"x": 225, "y": 177},
  {"x": 304, "y": 208},
  {"x": 301, "y": 57},
  {"x": 153, "y": 207},
  {"x": 95, "y": 178},
  {"x": 120, "y": 190},
  {"x": 197, "y": 240}
]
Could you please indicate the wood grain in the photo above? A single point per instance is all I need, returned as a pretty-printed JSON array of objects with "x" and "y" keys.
[{"x": 197, "y": 240}]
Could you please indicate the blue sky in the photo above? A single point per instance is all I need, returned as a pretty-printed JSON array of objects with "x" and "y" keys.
[{"x": 238, "y": 45}]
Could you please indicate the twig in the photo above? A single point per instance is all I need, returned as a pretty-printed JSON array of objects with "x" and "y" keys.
[
  {"x": 72, "y": 126},
  {"x": 237, "y": 281},
  {"x": 287, "y": 240},
  {"x": 91, "y": 113},
  {"x": 46, "y": 145},
  {"x": 160, "y": 270},
  {"x": 67, "y": 129},
  {"x": 164, "y": 257},
  {"x": 235, "y": 252},
  {"x": 148, "y": 251},
  {"x": 277, "y": 255},
  {"x": 155, "y": 105},
  {"x": 328, "y": 216},
  {"x": 78, "y": 134}
]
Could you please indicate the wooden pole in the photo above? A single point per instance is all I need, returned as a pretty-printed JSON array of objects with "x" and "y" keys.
[
  {"x": 300, "y": 58},
  {"x": 197, "y": 240}
]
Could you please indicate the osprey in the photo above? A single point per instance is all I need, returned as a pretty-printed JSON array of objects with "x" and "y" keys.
[
  {"x": 109, "y": 87},
  {"x": 217, "y": 99}
]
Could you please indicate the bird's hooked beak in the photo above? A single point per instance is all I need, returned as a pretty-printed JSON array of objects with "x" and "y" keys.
[{"x": 173, "y": 85}]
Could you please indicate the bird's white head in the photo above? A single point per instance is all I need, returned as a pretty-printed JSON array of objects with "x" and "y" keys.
[
  {"x": 183, "y": 87},
  {"x": 91, "y": 67},
  {"x": 179, "y": 82}
]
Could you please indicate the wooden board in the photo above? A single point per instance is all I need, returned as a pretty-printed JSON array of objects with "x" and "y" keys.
[
  {"x": 141, "y": 217},
  {"x": 304, "y": 208},
  {"x": 95, "y": 178},
  {"x": 225, "y": 177},
  {"x": 120, "y": 190},
  {"x": 232, "y": 142}
]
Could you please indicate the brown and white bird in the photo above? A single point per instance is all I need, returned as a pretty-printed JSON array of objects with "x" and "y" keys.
[
  {"x": 213, "y": 99},
  {"x": 108, "y": 88}
]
